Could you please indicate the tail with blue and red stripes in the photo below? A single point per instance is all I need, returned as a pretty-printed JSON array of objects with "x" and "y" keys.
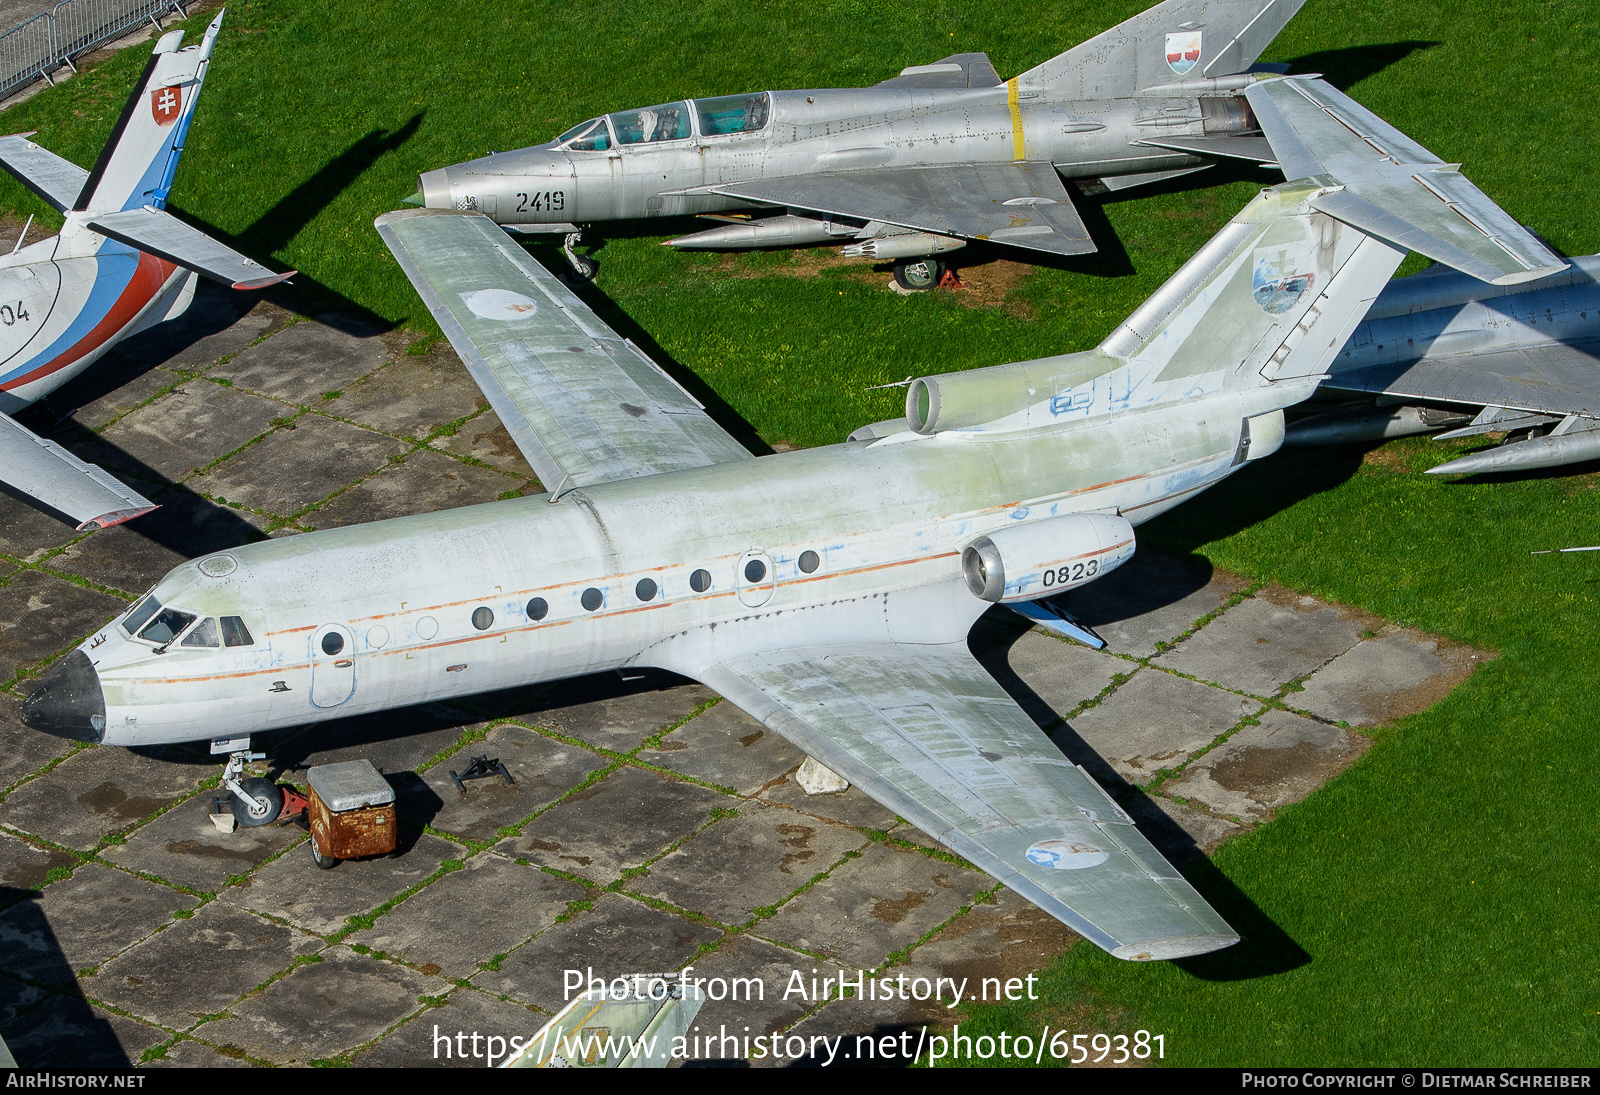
[{"x": 136, "y": 166}]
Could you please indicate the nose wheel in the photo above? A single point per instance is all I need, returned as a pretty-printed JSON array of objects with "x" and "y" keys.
[
  {"x": 256, "y": 801},
  {"x": 579, "y": 267}
]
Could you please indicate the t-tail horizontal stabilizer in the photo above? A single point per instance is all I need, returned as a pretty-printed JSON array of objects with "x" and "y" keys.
[
  {"x": 46, "y": 473},
  {"x": 1385, "y": 184},
  {"x": 165, "y": 236}
]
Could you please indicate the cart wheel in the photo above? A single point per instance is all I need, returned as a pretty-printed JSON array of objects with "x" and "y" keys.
[
  {"x": 326, "y": 862},
  {"x": 245, "y": 814}
]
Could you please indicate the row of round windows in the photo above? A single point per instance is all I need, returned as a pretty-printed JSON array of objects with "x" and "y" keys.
[{"x": 591, "y": 599}]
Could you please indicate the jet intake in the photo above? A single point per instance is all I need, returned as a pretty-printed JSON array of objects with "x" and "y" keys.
[
  {"x": 959, "y": 401},
  {"x": 905, "y": 245},
  {"x": 1036, "y": 559},
  {"x": 787, "y": 230}
]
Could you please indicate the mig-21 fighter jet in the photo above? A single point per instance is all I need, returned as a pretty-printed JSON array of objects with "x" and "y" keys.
[
  {"x": 913, "y": 167},
  {"x": 120, "y": 264},
  {"x": 827, "y": 592}
]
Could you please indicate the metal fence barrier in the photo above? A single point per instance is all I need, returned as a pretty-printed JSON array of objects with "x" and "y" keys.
[{"x": 53, "y": 38}]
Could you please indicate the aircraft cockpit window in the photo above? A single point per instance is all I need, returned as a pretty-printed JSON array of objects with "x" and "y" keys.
[
  {"x": 204, "y": 634},
  {"x": 732, "y": 114},
  {"x": 168, "y": 625},
  {"x": 140, "y": 614},
  {"x": 234, "y": 633},
  {"x": 669, "y": 122},
  {"x": 590, "y": 136}
]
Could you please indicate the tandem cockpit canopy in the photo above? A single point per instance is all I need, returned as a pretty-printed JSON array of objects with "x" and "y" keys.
[
  {"x": 160, "y": 624},
  {"x": 716, "y": 117}
]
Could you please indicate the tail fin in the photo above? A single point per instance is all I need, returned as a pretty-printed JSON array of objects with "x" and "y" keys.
[
  {"x": 1179, "y": 41},
  {"x": 1269, "y": 302},
  {"x": 136, "y": 166}
]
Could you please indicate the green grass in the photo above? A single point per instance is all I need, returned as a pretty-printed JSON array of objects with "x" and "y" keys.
[{"x": 1436, "y": 904}]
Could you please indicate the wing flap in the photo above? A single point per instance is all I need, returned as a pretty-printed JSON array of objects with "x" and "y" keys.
[
  {"x": 48, "y": 474},
  {"x": 1021, "y": 204},
  {"x": 582, "y": 403},
  {"x": 1391, "y": 187},
  {"x": 929, "y": 734},
  {"x": 1558, "y": 378},
  {"x": 54, "y": 179},
  {"x": 162, "y": 234}
]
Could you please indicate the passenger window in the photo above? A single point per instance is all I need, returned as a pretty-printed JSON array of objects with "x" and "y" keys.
[
  {"x": 204, "y": 634},
  {"x": 234, "y": 633},
  {"x": 168, "y": 625},
  {"x": 590, "y": 136},
  {"x": 140, "y": 614},
  {"x": 669, "y": 122},
  {"x": 732, "y": 114}
]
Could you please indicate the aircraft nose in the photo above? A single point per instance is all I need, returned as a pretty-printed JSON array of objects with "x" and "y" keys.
[
  {"x": 435, "y": 187},
  {"x": 68, "y": 701}
]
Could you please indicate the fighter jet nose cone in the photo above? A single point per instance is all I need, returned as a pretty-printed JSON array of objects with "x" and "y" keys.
[
  {"x": 416, "y": 199},
  {"x": 68, "y": 701}
]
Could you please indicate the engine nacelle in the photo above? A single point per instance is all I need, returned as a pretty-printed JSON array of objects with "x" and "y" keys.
[{"x": 1037, "y": 558}]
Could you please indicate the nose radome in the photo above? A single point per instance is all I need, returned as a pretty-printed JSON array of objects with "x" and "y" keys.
[{"x": 67, "y": 701}]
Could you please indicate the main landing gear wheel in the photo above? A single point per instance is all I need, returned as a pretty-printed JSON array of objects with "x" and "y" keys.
[
  {"x": 918, "y": 274},
  {"x": 326, "y": 862},
  {"x": 579, "y": 267},
  {"x": 251, "y": 814}
]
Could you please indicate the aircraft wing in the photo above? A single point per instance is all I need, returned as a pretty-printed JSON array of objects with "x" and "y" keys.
[
  {"x": 582, "y": 403},
  {"x": 957, "y": 70},
  {"x": 1558, "y": 378},
  {"x": 928, "y": 733},
  {"x": 1021, "y": 204},
  {"x": 163, "y": 235},
  {"x": 54, "y": 179},
  {"x": 1317, "y": 130},
  {"x": 46, "y": 473}
]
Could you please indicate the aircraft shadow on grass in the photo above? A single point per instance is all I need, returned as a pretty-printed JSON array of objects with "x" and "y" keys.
[{"x": 1344, "y": 68}]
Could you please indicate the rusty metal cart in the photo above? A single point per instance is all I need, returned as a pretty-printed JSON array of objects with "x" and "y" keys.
[{"x": 351, "y": 812}]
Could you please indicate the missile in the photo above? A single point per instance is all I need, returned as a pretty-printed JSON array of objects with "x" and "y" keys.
[
  {"x": 781, "y": 231},
  {"x": 1539, "y": 452},
  {"x": 1372, "y": 424}
]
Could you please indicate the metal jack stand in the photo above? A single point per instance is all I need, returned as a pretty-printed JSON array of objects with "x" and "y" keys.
[{"x": 481, "y": 768}]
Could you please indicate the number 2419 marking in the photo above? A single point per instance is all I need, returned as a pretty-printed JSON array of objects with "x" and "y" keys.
[{"x": 551, "y": 200}]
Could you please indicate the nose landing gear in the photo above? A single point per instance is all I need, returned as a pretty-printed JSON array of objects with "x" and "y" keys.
[
  {"x": 256, "y": 801},
  {"x": 580, "y": 268}
]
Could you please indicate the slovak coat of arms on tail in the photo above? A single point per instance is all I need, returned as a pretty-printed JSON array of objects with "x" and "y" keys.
[
  {"x": 1183, "y": 50},
  {"x": 166, "y": 103}
]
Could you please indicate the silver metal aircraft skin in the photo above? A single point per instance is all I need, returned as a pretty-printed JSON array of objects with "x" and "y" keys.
[
  {"x": 1440, "y": 351},
  {"x": 910, "y": 168},
  {"x": 119, "y": 265},
  {"x": 827, "y": 592}
]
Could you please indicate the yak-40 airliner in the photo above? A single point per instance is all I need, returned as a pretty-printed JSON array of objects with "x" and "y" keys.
[
  {"x": 827, "y": 592},
  {"x": 121, "y": 264}
]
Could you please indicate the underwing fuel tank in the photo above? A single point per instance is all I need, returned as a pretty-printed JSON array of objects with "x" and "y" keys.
[
  {"x": 781, "y": 231},
  {"x": 1372, "y": 424},
  {"x": 1539, "y": 452},
  {"x": 1039, "y": 558}
]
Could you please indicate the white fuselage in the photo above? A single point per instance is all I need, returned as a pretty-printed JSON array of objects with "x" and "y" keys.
[
  {"x": 67, "y": 300},
  {"x": 887, "y": 521}
]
